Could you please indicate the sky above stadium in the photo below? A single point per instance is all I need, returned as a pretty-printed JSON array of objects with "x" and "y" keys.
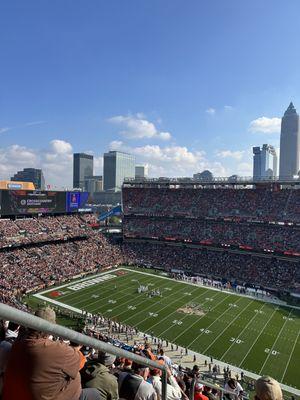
[{"x": 183, "y": 85}]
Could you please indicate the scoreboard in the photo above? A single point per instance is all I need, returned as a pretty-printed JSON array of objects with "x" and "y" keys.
[{"x": 26, "y": 202}]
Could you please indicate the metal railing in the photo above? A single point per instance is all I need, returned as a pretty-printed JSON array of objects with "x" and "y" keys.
[{"x": 31, "y": 321}]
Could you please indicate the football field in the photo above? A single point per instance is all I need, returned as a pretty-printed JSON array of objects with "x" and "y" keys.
[{"x": 253, "y": 335}]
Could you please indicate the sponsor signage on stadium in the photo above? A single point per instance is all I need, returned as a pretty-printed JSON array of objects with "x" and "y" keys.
[{"x": 27, "y": 202}]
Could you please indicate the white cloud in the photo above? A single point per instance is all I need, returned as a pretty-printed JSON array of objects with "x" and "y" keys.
[
  {"x": 265, "y": 125},
  {"x": 228, "y": 108},
  {"x": 211, "y": 111},
  {"x": 5, "y": 129},
  {"x": 56, "y": 160},
  {"x": 138, "y": 127},
  {"x": 60, "y": 146},
  {"x": 33, "y": 123},
  {"x": 245, "y": 169},
  {"x": 236, "y": 155},
  {"x": 171, "y": 160}
]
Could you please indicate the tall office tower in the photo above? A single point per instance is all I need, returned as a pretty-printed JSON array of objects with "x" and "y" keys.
[
  {"x": 33, "y": 175},
  {"x": 83, "y": 167},
  {"x": 141, "y": 171},
  {"x": 264, "y": 162},
  {"x": 289, "y": 144},
  {"x": 116, "y": 167}
]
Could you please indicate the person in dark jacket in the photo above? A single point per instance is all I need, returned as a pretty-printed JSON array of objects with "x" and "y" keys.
[{"x": 96, "y": 374}]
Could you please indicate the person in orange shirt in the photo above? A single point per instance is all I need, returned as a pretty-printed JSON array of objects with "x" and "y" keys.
[{"x": 198, "y": 395}]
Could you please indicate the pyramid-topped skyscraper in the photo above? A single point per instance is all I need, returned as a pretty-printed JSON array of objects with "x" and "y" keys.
[{"x": 289, "y": 144}]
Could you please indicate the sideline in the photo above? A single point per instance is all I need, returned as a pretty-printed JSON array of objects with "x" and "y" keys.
[{"x": 250, "y": 374}]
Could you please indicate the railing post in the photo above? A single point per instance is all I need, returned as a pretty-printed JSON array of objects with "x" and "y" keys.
[{"x": 164, "y": 384}]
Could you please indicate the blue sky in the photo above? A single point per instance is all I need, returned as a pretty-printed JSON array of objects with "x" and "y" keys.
[{"x": 184, "y": 85}]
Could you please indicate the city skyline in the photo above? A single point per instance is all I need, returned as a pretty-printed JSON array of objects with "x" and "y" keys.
[{"x": 197, "y": 94}]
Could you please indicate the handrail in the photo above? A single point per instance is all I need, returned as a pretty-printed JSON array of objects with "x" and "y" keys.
[
  {"x": 31, "y": 321},
  {"x": 221, "y": 390}
]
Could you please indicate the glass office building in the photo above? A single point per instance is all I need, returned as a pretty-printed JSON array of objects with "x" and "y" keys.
[
  {"x": 116, "y": 167},
  {"x": 83, "y": 167}
]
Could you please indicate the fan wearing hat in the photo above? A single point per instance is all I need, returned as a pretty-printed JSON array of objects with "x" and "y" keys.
[
  {"x": 198, "y": 395},
  {"x": 96, "y": 374}
]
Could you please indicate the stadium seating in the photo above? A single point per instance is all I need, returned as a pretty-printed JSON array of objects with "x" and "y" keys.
[
  {"x": 250, "y": 204},
  {"x": 259, "y": 236}
]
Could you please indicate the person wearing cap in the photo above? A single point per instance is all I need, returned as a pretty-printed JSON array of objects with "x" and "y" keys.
[
  {"x": 133, "y": 386},
  {"x": 267, "y": 388},
  {"x": 198, "y": 389},
  {"x": 96, "y": 374},
  {"x": 40, "y": 368}
]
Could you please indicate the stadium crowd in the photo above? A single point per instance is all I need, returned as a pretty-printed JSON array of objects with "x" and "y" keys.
[
  {"x": 45, "y": 264},
  {"x": 262, "y": 204},
  {"x": 79, "y": 250},
  {"x": 43, "y": 229},
  {"x": 242, "y": 268},
  {"x": 257, "y": 236},
  {"x": 35, "y": 365}
]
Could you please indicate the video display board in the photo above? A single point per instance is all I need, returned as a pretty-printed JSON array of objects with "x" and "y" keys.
[
  {"x": 17, "y": 202},
  {"x": 76, "y": 202}
]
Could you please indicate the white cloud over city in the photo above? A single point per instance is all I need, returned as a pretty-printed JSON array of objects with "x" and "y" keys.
[
  {"x": 265, "y": 125},
  {"x": 170, "y": 160},
  {"x": 56, "y": 160},
  {"x": 236, "y": 155},
  {"x": 138, "y": 127}
]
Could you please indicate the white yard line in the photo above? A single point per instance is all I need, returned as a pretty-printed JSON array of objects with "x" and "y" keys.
[
  {"x": 272, "y": 348},
  {"x": 234, "y": 319},
  {"x": 290, "y": 357},
  {"x": 210, "y": 325},
  {"x": 111, "y": 293},
  {"x": 151, "y": 305},
  {"x": 242, "y": 331},
  {"x": 174, "y": 312},
  {"x": 171, "y": 293},
  {"x": 249, "y": 350},
  {"x": 217, "y": 305}
]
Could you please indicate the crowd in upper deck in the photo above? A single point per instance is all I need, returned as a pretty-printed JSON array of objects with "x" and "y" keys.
[{"x": 262, "y": 204}]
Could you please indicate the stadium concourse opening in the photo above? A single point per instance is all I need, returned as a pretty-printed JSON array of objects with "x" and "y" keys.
[{"x": 220, "y": 277}]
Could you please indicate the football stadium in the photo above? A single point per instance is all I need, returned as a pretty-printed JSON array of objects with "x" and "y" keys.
[{"x": 203, "y": 276}]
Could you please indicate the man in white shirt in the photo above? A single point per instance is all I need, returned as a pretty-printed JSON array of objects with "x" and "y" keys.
[{"x": 173, "y": 389}]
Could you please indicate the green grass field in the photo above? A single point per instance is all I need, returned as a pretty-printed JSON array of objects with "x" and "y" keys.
[{"x": 253, "y": 335}]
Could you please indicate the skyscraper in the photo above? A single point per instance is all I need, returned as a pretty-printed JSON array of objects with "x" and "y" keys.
[
  {"x": 33, "y": 175},
  {"x": 116, "y": 167},
  {"x": 264, "y": 162},
  {"x": 83, "y": 167},
  {"x": 289, "y": 144}
]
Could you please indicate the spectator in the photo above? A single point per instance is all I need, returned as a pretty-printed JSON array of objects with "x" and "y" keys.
[
  {"x": 133, "y": 386},
  {"x": 233, "y": 386},
  {"x": 96, "y": 374},
  {"x": 267, "y": 388},
  {"x": 198, "y": 389},
  {"x": 173, "y": 389},
  {"x": 40, "y": 368}
]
